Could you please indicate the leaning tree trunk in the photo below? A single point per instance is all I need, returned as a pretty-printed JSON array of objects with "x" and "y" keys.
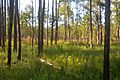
[
  {"x": 106, "y": 74},
  {"x": 11, "y": 9}
]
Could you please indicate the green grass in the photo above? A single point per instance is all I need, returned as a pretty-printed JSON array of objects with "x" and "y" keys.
[{"x": 75, "y": 62}]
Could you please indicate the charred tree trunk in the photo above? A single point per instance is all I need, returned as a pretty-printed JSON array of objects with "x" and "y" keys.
[
  {"x": 117, "y": 14},
  {"x": 56, "y": 33},
  {"x": 65, "y": 22},
  {"x": 52, "y": 22},
  {"x": 100, "y": 23},
  {"x": 39, "y": 24},
  {"x": 15, "y": 27},
  {"x": 10, "y": 29},
  {"x": 4, "y": 20},
  {"x": 69, "y": 33},
  {"x": 0, "y": 23},
  {"x": 106, "y": 74},
  {"x": 32, "y": 28},
  {"x": 91, "y": 24},
  {"x": 65, "y": 25},
  {"x": 42, "y": 27},
  {"x": 2, "y": 27},
  {"x": 47, "y": 21},
  {"x": 19, "y": 31}
]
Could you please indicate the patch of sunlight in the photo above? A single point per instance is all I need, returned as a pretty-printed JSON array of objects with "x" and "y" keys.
[{"x": 48, "y": 63}]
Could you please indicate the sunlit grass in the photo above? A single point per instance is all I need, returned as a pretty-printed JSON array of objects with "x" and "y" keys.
[{"x": 75, "y": 62}]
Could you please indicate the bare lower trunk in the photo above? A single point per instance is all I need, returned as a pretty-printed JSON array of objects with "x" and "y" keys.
[
  {"x": 47, "y": 21},
  {"x": 52, "y": 22},
  {"x": 91, "y": 24},
  {"x": 56, "y": 33},
  {"x": 10, "y": 30},
  {"x": 106, "y": 74},
  {"x": 19, "y": 32},
  {"x": 15, "y": 27}
]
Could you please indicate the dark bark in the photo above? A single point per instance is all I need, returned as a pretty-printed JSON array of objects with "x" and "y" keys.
[
  {"x": 5, "y": 20},
  {"x": 42, "y": 27},
  {"x": 118, "y": 33},
  {"x": 19, "y": 32},
  {"x": 69, "y": 32},
  {"x": 0, "y": 23},
  {"x": 35, "y": 25},
  {"x": 65, "y": 25},
  {"x": 91, "y": 24},
  {"x": 2, "y": 26},
  {"x": 100, "y": 23},
  {"x": 106, "y": 74},
  {"x": 98, "y": 28},
  {"x": 11, "y": 11},
  {"x": 15, "y": 27},
  {"x": 39, "y": 24},
  {"x": 52, "y": 22},
  {"x": 56, "y": 32},
  {"x": 47, "y": 21},
  {"x": 32, "y": 28},
  {"x": 65, "y": 22},
  {"x": 117, "y": 14}
]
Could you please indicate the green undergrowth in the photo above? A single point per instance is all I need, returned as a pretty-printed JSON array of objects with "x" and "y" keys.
[{"x": 75, "y": 62}]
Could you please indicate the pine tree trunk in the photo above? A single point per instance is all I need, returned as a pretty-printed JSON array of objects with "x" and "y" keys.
[
  {"x": 15, "y": 27},
  {"x": 32, "y": 28},
  {"x": 52, "y": 22},
  {"x": 2, "y": 27},
  {"x": 19, "y": 31},
  {"x": 56, "y": 33},
  {"x": 0, "y": 23},
  {"x": 10, "y": 29},
  {"x": 42, "y": 27},
  {"x": 69, "y": 33},
  {"x": 5, "y": 20},
  {"x": 47, "y": 21},
  {"x": 65, "y": 22},
  {"x": 100, "y": 23},
  {"x": 117, "y": 14},
  {"x": 65, "y": 25},
  {"x": 91, "y": 24},
  {"x": 106, "y": 74},
  {"x": 39, "y": 24}
]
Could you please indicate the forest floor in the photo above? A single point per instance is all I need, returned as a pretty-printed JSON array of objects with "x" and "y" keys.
[{"x": 68, "y": 61}]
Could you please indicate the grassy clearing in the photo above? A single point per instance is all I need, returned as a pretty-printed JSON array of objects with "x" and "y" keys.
[{"x": 76, "y": 62}]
